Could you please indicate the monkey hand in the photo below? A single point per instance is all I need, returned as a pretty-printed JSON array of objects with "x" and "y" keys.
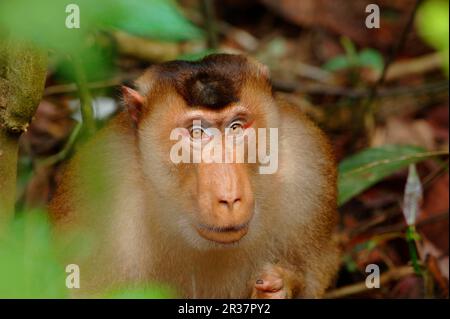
[{"x": 276, "y": 282}]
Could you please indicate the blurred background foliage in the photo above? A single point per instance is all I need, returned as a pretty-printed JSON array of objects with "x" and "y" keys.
[
  {"x": 380, "y": 94},
  {"x": 432, "y": 25},
  {"x": 43, "y": 22}
]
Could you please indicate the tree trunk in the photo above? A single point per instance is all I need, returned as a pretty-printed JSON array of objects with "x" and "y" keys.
[{"x": 22, "y": 78}]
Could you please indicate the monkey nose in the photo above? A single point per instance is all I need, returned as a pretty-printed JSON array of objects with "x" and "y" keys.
[{"x": 229, "y": 203}]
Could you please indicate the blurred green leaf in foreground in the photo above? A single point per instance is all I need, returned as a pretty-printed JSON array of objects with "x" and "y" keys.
[
  {"x": 43, "y": 22},
  {"x": 31, "y": 267}
]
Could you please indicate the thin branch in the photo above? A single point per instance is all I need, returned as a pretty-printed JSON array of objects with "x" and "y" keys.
[
  {"x": 315, "y": 88},
  {"x": 72, "y": 87},
  {"x": 408, "y": 67},
  {"x": 207, "y": 7},
  {"x": 61, "y": 155},
  {"x": 368, "y": 111},
  {"x": 402, "y": 226},
  {"x": 87, "y": 110},
  {"x": 391, "y": 275}
]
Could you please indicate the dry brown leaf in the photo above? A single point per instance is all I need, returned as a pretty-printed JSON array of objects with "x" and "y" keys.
[
  {"x": 401, "y": 131},
  {"x": 436, "y": 201},
  {"x": 347, "y": 18}
]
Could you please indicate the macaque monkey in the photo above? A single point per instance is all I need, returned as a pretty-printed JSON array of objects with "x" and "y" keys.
[{"x": 209, "y": 229}]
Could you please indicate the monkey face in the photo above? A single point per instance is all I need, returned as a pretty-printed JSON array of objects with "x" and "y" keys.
[
  {"x": 206, "y": 111},
  {"x": 214, "y": 193},
  {"x": 223, "y": 197}
]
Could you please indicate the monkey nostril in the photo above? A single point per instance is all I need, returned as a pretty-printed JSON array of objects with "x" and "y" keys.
[
  {"x": 223, "y": 202},
  {"x": 229, "y": 203}
]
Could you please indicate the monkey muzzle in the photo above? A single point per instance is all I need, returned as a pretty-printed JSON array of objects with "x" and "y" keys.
[{"x": 225, "y": 202}]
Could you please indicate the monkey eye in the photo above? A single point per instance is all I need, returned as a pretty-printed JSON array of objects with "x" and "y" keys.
[
  {"x": 236, "y": 128},
  {"x": 198, "y": 133}
]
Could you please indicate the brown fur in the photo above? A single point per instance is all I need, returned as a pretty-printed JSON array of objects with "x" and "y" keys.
[{"x": 136, "y": 216}]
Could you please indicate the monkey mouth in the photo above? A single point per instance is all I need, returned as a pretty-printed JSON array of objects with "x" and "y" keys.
[
  {"x": 223, "y": 234},
  {"x": 225, "y": 229}
]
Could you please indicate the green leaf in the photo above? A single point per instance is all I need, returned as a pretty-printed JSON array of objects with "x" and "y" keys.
[
  {"x": 29, "y": 267},
  {"x": 371, "y": 58},
  {"x": 157, "y": 19},
  {"x": 432, "y": 23},
  {"x": 337, "y": 63},
  {"x": 349, "y": 47},
  {"x": 359, "y": 172},
  {"x": 366, "y": 58},
  {"x": 44, "y": 21},
  {"x": 343, "y": 61},
  {"x": 98, "y": 64},
  {"x": 349, "y": 263},
  {"x": 433, "y": 26}
]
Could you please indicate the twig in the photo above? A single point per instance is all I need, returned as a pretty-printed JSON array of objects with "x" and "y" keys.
[
  {"x": 402, "y": 226},
  {"x": 305, "y": 88},
  {"x": 417, "y": 65},
  {"x": 282, "y": 86},
  {"x": 379, "y": 219},
  {"x": 207, "y": 7},
  {"x": 72, "y": 87},
  {"x": 368, "y": 111},
  {"x": 87, "y": 110},
  {"x": 54, "y": 159},
  {"x": 390, "y": 275},
  {"x": 397, "y": 228}
]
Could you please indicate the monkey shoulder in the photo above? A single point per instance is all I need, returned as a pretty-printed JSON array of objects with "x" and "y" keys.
[
  {"x": 306, "y": 161},
  {"x": 299, "y": 131},
  {"x": 93, "y": 171}
]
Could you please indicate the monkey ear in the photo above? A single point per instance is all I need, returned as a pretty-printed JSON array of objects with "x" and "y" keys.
[
  {"x": 261, "y": 69},
  {"x": 133, "y": 101},
  {"x": 264, "y": 70}
]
